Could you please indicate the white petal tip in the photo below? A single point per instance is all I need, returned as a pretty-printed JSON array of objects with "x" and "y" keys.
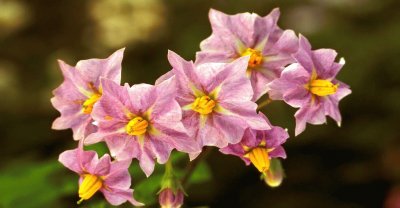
[{"x": 342, "y": 61}]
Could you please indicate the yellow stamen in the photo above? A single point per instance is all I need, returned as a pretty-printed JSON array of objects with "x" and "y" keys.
[
  {"x": 89, "y": 186},
  {"x": 322, "y": 87},
  {"x": 87, "y": 106},
  {"x": 203, "y": 105},
  {"x": 136, "y": 126},
  {"x": 259, "y": 157},
  {"x": 256, "y": 57}
]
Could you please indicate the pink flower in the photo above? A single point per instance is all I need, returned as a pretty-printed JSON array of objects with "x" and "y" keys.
[
  {"x": 245, "y": 34},
  {"x": 142, "y": 121},
  {"x": 216, "y": 101},
  {"x": 311, "y": 86},
  {"x": 259, "y": 146},
  {"x": 110, "y": 178},
  {"x": 81, "y": 89}
]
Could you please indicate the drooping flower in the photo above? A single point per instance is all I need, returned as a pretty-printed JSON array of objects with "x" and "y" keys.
[
  {"x": 311, "y": 86},
  {"x": 245, "y": 34},
  {"x": 142, "y": 121},
  {"x": 81, "y": 89},
  {"x": 259, "y": 146},
  {"x": 100, "y": 174},
  {"x": 216, "y": 101}
]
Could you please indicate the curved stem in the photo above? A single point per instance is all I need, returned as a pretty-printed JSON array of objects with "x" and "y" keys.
[
  {"x": 264, "y": 103},
  {"x": 192, "y": 166}
]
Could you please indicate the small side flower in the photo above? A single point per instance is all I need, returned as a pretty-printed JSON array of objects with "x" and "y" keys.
[
  {"x": 258, "y": 147},
  {"x": 100, "y": 174}
]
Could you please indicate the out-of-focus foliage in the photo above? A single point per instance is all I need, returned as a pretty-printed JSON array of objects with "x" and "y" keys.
[
  {"x": 356, "y": 165},
  {"x": 34, "y": 184}
]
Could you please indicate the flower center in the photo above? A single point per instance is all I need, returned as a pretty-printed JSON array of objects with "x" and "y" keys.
[
  {"x": 87, "y": 106},
  {"x": 136, "y": 126},
  {"x": 89, "y": 186},
  {"x": 256, "y": 57},
  {"x": 203, "y": 105},
  {"x": 322, "y": 87},
  {"x": 259, "y": 158}
]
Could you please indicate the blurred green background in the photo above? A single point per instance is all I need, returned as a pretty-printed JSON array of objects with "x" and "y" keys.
[{"x": 357, "y": 165}]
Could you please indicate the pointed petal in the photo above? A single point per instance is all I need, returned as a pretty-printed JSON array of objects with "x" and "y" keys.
[
  {"x": 110, "y": 68},
  {"x": 117, "y": 196}
]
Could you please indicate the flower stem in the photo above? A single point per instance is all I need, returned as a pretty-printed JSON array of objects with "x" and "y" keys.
[
  {"x": 192, "y": 166},
  {"x": 264, "y": 103}
]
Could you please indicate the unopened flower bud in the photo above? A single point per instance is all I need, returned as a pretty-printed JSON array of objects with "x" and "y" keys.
[
  {"x": 273, "y": 177},
  {"x": 169, "y": 198}
]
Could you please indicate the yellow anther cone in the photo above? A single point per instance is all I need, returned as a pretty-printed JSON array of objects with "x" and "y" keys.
[
  {"x": 322, "y": 87},
  {"x": 87, "y": 106},
  {"x": 89, "y": 186},
  {"x": 259, "y": 158},
  {"x": 203, "y": 105},
  {"x": 256, "y": 57},
  {"x": 137, "y": 126}
]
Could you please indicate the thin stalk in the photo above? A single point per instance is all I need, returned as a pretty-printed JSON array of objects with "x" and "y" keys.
[{"x": 192, "y": 166}]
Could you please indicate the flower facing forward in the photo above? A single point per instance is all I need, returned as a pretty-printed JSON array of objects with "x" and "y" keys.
[
  {"x": 259, "y": 146},
  {"x": 245, "y": 34},
  {"x": 216, "y": 101},
  {"x": 311, "y": 86},
  {"x": 81, "y": 89},
  {"x": 142, "y": 121},
  {"x": 110, "y": 178}
]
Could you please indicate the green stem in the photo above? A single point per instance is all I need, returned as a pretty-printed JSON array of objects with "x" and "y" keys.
[
  {"x": 264, "y": 103},
  {"x": 192, "y": 166}
]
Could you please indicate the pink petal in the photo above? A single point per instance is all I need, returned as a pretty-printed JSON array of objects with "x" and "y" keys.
[
  {"x": 69, "y": 159},
  {"x": 304, "y": 54},
  {"x": 102, "y": 167},
  {"x": 313, "y": 114},
  {"x": 119, "y": 175},
  {"x": 110, "y": 68},
  {"x": 118, "y": 196},
  {"x": 142, "y": 97}
]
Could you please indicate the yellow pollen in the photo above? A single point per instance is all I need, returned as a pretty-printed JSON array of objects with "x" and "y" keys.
[
  {"x": 136, "y": 126},
  {"x": 260, "y": 159},
  {"x": 203, "y": 105},
  {"x": 256, "y": 57},
  {"x": 322, "y": 87},
  {"x": 87, "y": 106},
  {"x": 89, "y": 186}
]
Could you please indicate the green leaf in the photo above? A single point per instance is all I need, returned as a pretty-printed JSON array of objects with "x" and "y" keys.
[
  {"x": 34, "y": 185},
  {"x": 146, "y": 190}
]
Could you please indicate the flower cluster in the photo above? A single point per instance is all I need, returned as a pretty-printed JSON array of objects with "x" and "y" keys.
[{"x": 209, "y": 102}]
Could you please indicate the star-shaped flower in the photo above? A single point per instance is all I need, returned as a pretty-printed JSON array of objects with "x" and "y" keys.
[
  {"x": 311, "y": 86},
  {"x": 110, "y": 178},
  {"x": 81, "y": 89},
  {"x": 259, "y": 146},
  {"x": 216, "y": 100},
  {"x": 245, "y": 34},
  {"x": 142, "y": 121}
]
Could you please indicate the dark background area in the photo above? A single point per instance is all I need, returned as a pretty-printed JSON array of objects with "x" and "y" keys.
[{"x": 357, "y": 165}]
